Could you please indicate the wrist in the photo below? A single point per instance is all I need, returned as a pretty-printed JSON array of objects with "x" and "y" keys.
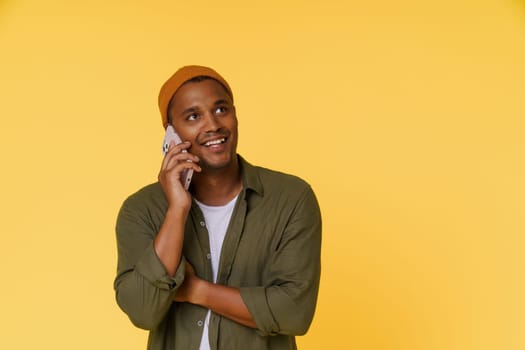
[
  {"x": 200, "y": 295},
  {"x": 176, "y": 213}
]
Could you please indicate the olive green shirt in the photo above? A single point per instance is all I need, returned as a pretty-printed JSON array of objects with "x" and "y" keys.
[{"x": 271, "y": 252}]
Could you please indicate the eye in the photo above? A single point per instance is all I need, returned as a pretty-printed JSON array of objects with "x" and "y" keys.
[
  {"x": 192, "y": 116},
  {"x": 221, "y": 110}
]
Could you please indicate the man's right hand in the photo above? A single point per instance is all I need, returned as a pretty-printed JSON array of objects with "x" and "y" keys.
[
  {"x": 169, "y": 240},
  {"x": 174, "y": 163}
]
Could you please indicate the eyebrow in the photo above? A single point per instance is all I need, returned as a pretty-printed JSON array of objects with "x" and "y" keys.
[
  {"x": 189, "y": 110},
  {"x": 194, "y": 109},
  {"x": 220, "y": 102}
]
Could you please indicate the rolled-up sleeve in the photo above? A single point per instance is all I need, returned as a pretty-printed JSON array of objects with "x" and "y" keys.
[
  {"x": 286, "y": 305},
  {"x": 144, "y": 290}
]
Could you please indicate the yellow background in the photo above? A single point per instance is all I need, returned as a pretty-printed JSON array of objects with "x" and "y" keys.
[{"x": 407, "y": 118}]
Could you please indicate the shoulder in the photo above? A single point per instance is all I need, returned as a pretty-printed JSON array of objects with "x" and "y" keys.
[
  {"x": 274, "y": 180},
  {"x": 271, "y": 183},
  {"x": 143, "y": 210},
  {"x": 147, "y": 197}
]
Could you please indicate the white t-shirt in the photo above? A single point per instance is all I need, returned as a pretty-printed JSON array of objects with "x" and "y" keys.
[{"x": 217, "y": 219}]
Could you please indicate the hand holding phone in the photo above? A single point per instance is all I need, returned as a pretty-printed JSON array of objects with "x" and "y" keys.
[{"x": 171, "y": 135}]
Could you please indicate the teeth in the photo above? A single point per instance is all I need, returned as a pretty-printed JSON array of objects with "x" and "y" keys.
[{"x": 214, "y": 142}]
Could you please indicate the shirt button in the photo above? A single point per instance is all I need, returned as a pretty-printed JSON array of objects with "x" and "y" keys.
[
  {"x": 208, "y": 256},
  {"x": 200, "y": 323},
  {"x": 203, "y": 223}
]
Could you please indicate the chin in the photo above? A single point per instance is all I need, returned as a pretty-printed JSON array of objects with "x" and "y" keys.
[{"x": 217, "y": 164}]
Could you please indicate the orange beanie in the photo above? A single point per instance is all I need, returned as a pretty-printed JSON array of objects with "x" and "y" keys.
[{"x": 181, "y": 76}]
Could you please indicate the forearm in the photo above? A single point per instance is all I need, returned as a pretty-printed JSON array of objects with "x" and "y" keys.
[
  {"x": 223, "y": 300},
  {"x": 145, "y": 304},
  {"x": 144, "y": 291},
  {"x": 285, "y": 302},
  {"x": 169, "y": 241},
  {"x": 144, "y": 287}
]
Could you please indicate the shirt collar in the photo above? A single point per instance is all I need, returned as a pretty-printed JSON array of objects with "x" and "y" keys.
[{"x": 250, "y": 177}]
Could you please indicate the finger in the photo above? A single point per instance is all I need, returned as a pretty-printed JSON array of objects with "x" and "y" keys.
[
  {"x": 176, "y": 150},
  {"x": 174, "y": 175},
  {"x": 180, "y": 167},
  {"x": 183, "y": 157},
  {"x": 177, "y": 147}
]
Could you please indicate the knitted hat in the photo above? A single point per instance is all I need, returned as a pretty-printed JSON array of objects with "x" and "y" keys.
[{"x": 181, "y": 76}]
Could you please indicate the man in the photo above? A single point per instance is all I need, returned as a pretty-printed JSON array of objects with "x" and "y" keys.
[{"x": 233, "y": 263}]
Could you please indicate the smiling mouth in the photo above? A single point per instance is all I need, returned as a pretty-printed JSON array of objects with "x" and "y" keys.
[{"x": 215, "y": 142}]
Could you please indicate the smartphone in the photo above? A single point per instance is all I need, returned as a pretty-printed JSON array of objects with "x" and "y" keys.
[{"x": 171, "y": 135}]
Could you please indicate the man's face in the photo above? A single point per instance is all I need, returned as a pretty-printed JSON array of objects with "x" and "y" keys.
[{"x": 204, "y": 114}]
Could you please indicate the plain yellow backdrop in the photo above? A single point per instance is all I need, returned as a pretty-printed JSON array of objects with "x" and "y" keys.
[{"x": 406, "y": 117}]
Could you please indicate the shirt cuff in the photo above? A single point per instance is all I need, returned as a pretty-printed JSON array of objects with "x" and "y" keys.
[
  {"x": 150, "y": 266},
  {"x": 255, "y": 300}
]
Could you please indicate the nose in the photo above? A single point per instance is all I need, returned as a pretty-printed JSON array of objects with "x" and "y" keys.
[{"x": 212, "y": 123}]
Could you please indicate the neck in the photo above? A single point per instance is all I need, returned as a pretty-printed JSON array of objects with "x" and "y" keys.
[{"x": 217, "y": 187}]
